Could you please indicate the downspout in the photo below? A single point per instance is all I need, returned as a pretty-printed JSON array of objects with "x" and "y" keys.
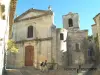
[{"x": 51, "y": 44}]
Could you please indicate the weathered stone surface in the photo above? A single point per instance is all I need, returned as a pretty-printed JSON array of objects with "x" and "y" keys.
[
  {"x": 43, "y": 40},
  {"x": 75, "y": 36}
]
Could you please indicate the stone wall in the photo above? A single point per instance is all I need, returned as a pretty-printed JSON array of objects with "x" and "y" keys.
[
  {"x": 42, "y": 52},
  {"x": 61, "y": 46},
  {"x": 97, "y": 21},
  {"x": 94, "y": 30},
  {"x": 77, "y": 37},
  {"x": 54, "y": 44}
]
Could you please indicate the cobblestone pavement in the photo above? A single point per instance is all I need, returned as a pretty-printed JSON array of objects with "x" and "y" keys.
[
  {"x": 94, "y": 72},
  {"x": 53, "y": 72},
  {"x": 33, "y": 71},
  {"x": 38, "y": 72}
]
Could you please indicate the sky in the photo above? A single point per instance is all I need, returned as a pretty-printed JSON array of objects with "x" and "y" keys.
[{"x": 87, "y": 10}]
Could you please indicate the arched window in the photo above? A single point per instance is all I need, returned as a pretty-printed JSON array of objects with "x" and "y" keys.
[
  {"x": 70, "y": 22},
  {"x": 30, "y": 32}
]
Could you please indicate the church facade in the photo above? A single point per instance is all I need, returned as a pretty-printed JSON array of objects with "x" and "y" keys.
[{"x": 35, "y": 36}]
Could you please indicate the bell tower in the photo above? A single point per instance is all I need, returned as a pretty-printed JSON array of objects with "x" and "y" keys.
[{"x": 71, "y": 21}]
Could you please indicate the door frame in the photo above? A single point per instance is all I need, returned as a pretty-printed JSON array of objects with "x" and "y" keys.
[{"x": 32, "y": 55}]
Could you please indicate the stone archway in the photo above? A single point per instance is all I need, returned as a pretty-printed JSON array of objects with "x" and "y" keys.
[{"x": 29, "y": 55}]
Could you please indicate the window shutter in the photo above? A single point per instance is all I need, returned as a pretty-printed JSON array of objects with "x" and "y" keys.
[{"x": 30, "y": 32}]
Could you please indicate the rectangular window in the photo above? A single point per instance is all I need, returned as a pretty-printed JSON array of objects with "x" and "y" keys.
[
  {"x": 89, "y": 52},
  {"x": 3, "y": 17},
  {"x": 2, "y": 10},
  {"x": 61, "y": 36},
  {"x": 77, "y": 46},
  {"x": 30, "y": 32}
]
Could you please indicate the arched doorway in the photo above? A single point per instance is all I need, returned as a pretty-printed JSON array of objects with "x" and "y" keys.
[{"x": 29, "y": 55}]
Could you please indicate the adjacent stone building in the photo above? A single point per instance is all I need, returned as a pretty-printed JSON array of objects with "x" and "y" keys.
[
  {"x": 77, "y": 44},
  {"x": 61, "y": 44},
  {"x": 96, "y": 28},
  {"x": 96, "y": 36}
]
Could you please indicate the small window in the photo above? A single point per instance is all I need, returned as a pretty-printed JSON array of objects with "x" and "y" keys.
[
  {"x": 70, "y": 22},
  {"x": 2, "y": 8},
  {"x": 12, "y": 34},
  {"x": 30, "y": 32},
  {"x": 89, "y": 52},
  {"x": 77, "y": 46},
  {"x": 3, "y": 17},
  {"x": 61, "y": 36}
]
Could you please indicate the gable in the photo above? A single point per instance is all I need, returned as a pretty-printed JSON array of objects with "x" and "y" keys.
[{"x": 32, "y": 13}]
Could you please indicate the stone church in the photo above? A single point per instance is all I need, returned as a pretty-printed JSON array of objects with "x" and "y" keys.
[{"x": 38, "y": 40}]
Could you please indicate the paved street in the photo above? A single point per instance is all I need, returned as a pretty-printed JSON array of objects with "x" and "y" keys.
[{"x": 33, "y": 71}]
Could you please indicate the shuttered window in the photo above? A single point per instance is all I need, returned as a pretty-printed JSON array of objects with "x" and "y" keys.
[
  {"x": 30, "y": 32},
  {"x": 77, "y": 46}
]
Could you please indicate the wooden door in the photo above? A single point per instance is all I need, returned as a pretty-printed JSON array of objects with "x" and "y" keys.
[{"x": 29, "y": 53}]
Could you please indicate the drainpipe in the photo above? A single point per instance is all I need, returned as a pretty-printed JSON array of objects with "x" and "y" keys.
[{"x": 51, "y": 45}]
